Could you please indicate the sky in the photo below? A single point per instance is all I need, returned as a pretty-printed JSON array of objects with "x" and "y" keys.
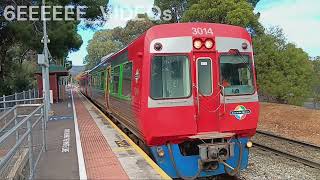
[{"x": 299, "y": 19}]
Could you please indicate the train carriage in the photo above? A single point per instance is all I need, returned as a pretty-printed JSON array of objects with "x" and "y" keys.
[{"x": 186, "y": 91}]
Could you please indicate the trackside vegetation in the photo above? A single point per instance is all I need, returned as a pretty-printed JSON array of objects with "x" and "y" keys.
[
  {"x": 20, "y": 41},
  {"x": 285, "y": 73}
]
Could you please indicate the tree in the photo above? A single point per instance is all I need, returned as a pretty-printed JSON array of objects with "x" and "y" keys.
[
  {"x": 132, "y": 30},
  {"x": 101, "y": 45},
  {"x": 234, "y": 12},
  {"x": 109, "y": 41},
  {"x": 179, "y": 7},
  {"x": 284, "y": 71},
  {"x": 316, "y": 81},
  {"x": 253, "y": 2},
  {"x": 25, "y": 37}
]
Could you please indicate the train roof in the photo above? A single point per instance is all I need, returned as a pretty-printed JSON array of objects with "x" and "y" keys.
[
  {"x": 178, "y": 30},
  {"x": 186, "y": 29}
]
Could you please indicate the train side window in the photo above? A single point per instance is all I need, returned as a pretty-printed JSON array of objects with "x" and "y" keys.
[
  {"x": 126, "y": 79},
  {"x": 102, "y": 80},
  {"x": 116, "y": 79}
]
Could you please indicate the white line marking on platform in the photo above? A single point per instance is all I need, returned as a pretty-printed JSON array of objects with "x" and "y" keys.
[
  {"x": 66, "y": 141},
  {"x": 82, "y": 166}
]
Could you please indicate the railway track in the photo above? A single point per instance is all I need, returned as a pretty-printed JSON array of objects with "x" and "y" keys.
[{"x": 302, "y": 152}]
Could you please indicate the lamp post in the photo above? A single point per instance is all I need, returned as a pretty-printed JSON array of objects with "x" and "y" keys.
[{"x": 45, "y": 67}]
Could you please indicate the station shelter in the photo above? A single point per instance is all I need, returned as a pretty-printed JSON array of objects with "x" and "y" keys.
[{"x": 59, "y": 76}]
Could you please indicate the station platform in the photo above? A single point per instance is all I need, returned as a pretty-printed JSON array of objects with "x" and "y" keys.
[{"x": 83, "y": 143}]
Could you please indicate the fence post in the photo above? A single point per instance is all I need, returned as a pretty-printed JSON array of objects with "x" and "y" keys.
[
  {"x": 16, "y": 98},
  {"x": 30, "y": 149},
  {"x": 30, "y": 102},
  {"x": 44, "y": 136},
  {"x": 34, "y": 96},
  {"x": 24, "y": 97},
  {"x": 16, "y": 122},
  {"x": 4, "y": 102}
]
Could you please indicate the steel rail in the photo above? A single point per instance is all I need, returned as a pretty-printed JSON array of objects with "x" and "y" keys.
[
  {"x": 288, "y": 155},
  {"x": 288, "y": 139}
]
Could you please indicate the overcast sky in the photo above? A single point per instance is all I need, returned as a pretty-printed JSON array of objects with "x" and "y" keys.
[{"x": 299, "y": 19}]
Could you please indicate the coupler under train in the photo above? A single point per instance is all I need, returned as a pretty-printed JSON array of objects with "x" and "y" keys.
[{"x": 203, "y": 158}]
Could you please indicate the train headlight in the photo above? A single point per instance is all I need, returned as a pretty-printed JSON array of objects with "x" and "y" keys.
[
  {"x": 249, "y": 144},
  {"x": 197, "y": 43},
  {"x": 244, "y": 45},
  {"x": 209, "y": 43},
  {"x": 160, "y": 151},
  {"x": 158, "y": 46}
]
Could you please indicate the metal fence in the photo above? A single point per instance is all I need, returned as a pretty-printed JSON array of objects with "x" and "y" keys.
[
  {"x": 22, "y": 140},
  {"x": 25, "y": 97}
]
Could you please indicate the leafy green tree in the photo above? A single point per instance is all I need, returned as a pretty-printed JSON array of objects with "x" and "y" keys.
[
  {"x": 109, "y": 41},
  {"x": 234, "y": 12},
  {"x": 27, "y": 35},
  {"x": 253, "y": 2},
  {"x": 284, "y": 71},
  {"x": 132, "y": 30},
  {"x": 101, "y": 45},
  {"x": 179, "y": 7},
  {"x": 316, "y": 81}
]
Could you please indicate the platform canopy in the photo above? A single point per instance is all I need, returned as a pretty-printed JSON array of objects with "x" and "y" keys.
[{"x": 55, "y": 69}]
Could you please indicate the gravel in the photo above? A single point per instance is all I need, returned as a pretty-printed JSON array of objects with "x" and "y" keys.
[
  {"x": 306, "y": 152},
  {"x": 265, "y": 165}
]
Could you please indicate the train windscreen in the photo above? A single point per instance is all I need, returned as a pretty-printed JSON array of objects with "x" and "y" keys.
[
  {"x": 170, "y": 77},
  {"x": 236, "y": 75}
]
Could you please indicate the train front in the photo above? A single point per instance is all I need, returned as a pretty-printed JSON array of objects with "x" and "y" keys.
[{"x": 202, "y": 102}]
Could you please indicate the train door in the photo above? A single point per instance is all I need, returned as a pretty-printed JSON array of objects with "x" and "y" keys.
[
  {"x": 207, "y": 91},
  {"x": 107, "y": 91},
  {"x": 90, "y": 85}
]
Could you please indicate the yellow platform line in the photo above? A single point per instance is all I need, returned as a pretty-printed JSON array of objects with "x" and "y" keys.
[{"x": 136, "y": 147}]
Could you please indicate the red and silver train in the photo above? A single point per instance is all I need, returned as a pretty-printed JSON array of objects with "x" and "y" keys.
[{"x": 187, "y": 92}]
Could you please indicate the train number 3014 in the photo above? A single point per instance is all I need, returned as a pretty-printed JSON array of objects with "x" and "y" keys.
[{"x": 202, "y": 31}]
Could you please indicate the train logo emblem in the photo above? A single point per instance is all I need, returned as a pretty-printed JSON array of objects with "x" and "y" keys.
[{"x": 240, "y": 112}]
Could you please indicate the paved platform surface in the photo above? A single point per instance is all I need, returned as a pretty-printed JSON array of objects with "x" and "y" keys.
[
  {"x": 60, "y": 161},
  {"x": 84, "y": 144}
]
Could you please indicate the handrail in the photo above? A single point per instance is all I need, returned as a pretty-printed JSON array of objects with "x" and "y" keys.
[
  {"x": 25, "y": 97},
  {"x": 14, "y": 129},
  {"x": 16, "y": 106},
  {"x": 20, "y": 100},
  {"x": 6, "y": 113},
  {"x": 13, "y": 149},
  {"x": 224, "y": 101},
  {"x": 224, "y": 98},
  {"x": 7, "y": 124}
]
